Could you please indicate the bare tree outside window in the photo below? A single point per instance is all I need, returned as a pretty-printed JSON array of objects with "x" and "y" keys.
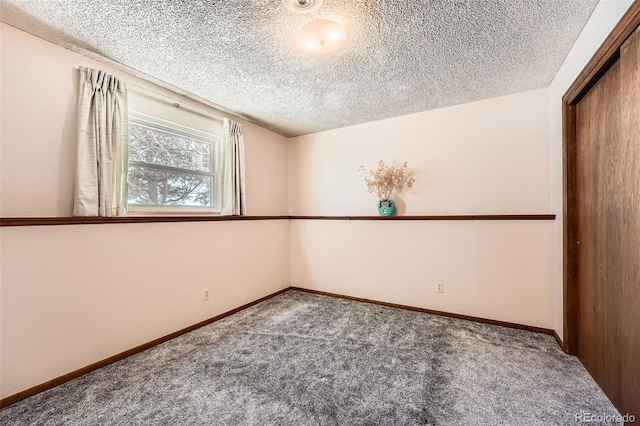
[
  {"x": 168, "y": 168},
  {"x": 149, "y": 186}
]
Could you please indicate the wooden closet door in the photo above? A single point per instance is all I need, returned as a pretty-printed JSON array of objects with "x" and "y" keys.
[{"x": 608, "y": 229}]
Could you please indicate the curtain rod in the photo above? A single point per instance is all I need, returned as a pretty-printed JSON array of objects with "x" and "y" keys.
[{"x": 169, "y": 99}]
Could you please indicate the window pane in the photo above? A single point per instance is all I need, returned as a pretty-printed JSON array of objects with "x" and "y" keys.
[
  {"x": 166, "y": 149},
  {"x": 158, "y": 187}
]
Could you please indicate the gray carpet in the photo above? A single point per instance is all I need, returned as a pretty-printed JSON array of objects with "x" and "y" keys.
[{"x": 303, "y": 359}]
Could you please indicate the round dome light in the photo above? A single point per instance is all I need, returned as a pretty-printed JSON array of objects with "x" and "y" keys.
[{"x": 321, "y": 35}]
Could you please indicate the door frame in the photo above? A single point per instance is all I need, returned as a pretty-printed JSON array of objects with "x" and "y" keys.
[{"x": 602, "y": 60}]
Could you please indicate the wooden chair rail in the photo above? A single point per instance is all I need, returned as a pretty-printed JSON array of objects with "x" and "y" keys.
[{"x": 50, "y": 221}]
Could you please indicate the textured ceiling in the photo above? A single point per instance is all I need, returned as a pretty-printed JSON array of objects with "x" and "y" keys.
[{"x": 400, "y": 56}]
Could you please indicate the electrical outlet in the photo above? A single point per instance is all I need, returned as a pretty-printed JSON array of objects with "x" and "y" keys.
[
  {"x": 439, "y": 287},
  {"x": 206, "y": 294}
]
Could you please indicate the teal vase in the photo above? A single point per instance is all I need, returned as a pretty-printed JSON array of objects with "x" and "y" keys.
[{"x": 386, "y": 207}]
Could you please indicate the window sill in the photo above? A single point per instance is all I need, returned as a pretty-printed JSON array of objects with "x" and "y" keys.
[{"x": 151, "y": 213}]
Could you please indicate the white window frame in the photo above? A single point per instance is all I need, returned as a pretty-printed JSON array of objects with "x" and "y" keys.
[{"x": 166, "y": 126}]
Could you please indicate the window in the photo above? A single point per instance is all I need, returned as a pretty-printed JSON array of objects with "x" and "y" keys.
[{"x": 172, "y": 168}]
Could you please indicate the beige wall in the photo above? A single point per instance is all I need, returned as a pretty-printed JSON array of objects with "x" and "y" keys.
[
  {"x": 602, "y": 21},
  {"x": 39, "y": 96},
  {"x": 490, "y": 156},
  {"x": 487, "y": 157},
  {"x": 73, "y": 295},
  {"x": 496, "y": 270}
]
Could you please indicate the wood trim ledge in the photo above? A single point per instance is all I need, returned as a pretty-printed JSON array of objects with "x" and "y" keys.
[
  {"x": 47, "y": 221},
  {"x": 50, "y": 221},
  {"x": 436, "y": 217}
]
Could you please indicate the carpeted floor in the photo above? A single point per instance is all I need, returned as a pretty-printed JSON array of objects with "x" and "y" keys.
[{"x": 303, "y": 359}]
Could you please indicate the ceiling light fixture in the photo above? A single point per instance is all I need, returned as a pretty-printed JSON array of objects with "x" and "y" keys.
[
  {"x": 302, "y": 5},
  {"x": 321, "y": 35}
]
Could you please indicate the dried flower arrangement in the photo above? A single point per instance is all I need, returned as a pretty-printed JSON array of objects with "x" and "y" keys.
[{"x": 385, "y": 179}]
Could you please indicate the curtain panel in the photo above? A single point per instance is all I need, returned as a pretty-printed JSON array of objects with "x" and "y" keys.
[
  {"x": 233, "y": 197},
  {"x": 100, "y": 180}
]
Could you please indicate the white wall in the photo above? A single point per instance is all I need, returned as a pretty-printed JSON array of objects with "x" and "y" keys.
[
  {"x": 605, "y": 16},
  {"x": 487, "y": 157},
  {"x": 74, "y": 295}
]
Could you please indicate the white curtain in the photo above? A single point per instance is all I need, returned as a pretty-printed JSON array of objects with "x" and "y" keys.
[
  {"x": 101, "y": 161},
  {"x": 232, "y": 170}
]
